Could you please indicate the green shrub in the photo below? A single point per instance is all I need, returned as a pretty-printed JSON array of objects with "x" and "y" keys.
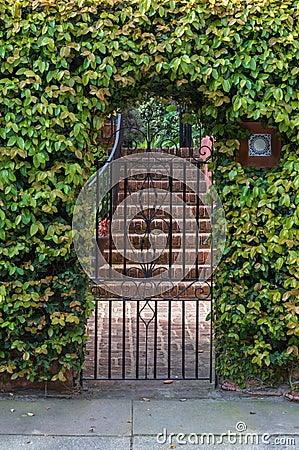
[
  {"x": 47, "y": 150},
  {"x": 257, "y": 289}
]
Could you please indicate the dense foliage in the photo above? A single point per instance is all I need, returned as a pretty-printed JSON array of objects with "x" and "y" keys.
[
  {"x": 63, "y": 66},
  {"x": 257, "y": 289}
]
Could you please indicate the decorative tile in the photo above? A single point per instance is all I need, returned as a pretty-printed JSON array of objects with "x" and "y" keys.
[{"x": 260, "y": 145}]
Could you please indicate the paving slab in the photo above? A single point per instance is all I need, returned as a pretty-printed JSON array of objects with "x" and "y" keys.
[
  {"x": 282, "y": 443},
  {"x": 66, "y": 417},
  {"x": 215, "y": 416},
  {"x": 191, "y": 416},
  {"x": 269, "y": 416},
  {"x": 63, "y": 443}
]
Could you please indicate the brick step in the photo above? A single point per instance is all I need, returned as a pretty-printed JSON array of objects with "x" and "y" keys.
[
  {"x": 190, "y": 198},
  {"x": 161, "y": 273},
  {"x": 139, "y": 182},
  {"x": 164, "y": 258},
  {"x": 184, "y": 152},
  {"x": 178, "y": 212},
  {"x": 137, "y": 239},
  {"x": 178, "y": 225},
  {"x": 182, "y": 289}
]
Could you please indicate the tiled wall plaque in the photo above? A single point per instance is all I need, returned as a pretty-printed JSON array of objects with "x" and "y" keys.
[{"x": 262, "y": 148}]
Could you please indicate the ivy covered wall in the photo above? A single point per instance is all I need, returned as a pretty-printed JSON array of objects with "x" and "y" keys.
[
  {"x": 63, "y": 66},
  {"x": 257, "y": 281}
]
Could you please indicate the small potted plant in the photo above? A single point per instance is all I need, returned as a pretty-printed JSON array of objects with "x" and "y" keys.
[{"x": 103, "y": 234}]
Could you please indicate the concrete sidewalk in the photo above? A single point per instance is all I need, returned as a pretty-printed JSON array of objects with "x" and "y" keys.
[{"x": 218, "y": 422}]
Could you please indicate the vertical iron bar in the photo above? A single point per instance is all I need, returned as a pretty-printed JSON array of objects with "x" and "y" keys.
[
  {"x": 211, "y": 269},
  {"x": 211, "y": 333},
  {"x": 169, "y": 338},
  {"x": 184, "y": 221},
  {"x": 95, "y": 375},
  {"x": 185, "y": 131},
  {"x": 155, "y": 337},
  {"x": 124, "y": 341},
  {"x": 170, "y": 179},
  {"x": 97, "y": 221},
  {"x": 125, "y": 220},
  {"x": 137, "y": 338},
  {"x": 146, "y": 324},
  {"x": 189, "y": 135},
  {"x": 148, "y": 137},
  {"x": 196, "y": 337},
  {"x": 113, "y": 125},
  {"x": 92, "y": 207},
  {"x": 110, "y": 213},
  {"x": 110, "y": 338},
  {"x": 146, "y": 351},
  {"x": 197, "y": 222},
  {"x": 182, "y": 139},
  {"x": 183, "y": 339}
]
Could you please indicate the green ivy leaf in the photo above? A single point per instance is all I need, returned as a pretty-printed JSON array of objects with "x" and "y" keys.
[{"x": 33, "y": 229}]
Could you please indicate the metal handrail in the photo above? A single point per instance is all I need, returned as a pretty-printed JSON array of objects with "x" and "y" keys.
[{"x": 115, "y": 153}]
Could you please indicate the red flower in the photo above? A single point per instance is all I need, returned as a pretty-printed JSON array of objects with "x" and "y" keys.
[{"x": 103, "y": 227}]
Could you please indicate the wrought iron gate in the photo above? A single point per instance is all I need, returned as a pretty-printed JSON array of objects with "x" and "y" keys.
[{"x": 163, "y": 332}]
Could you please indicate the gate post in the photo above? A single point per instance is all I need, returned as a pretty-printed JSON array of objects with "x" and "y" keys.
[{"x": 185, "y": 131}]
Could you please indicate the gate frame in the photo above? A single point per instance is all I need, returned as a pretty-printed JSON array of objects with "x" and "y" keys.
[{"x": 185, "y": 138}]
